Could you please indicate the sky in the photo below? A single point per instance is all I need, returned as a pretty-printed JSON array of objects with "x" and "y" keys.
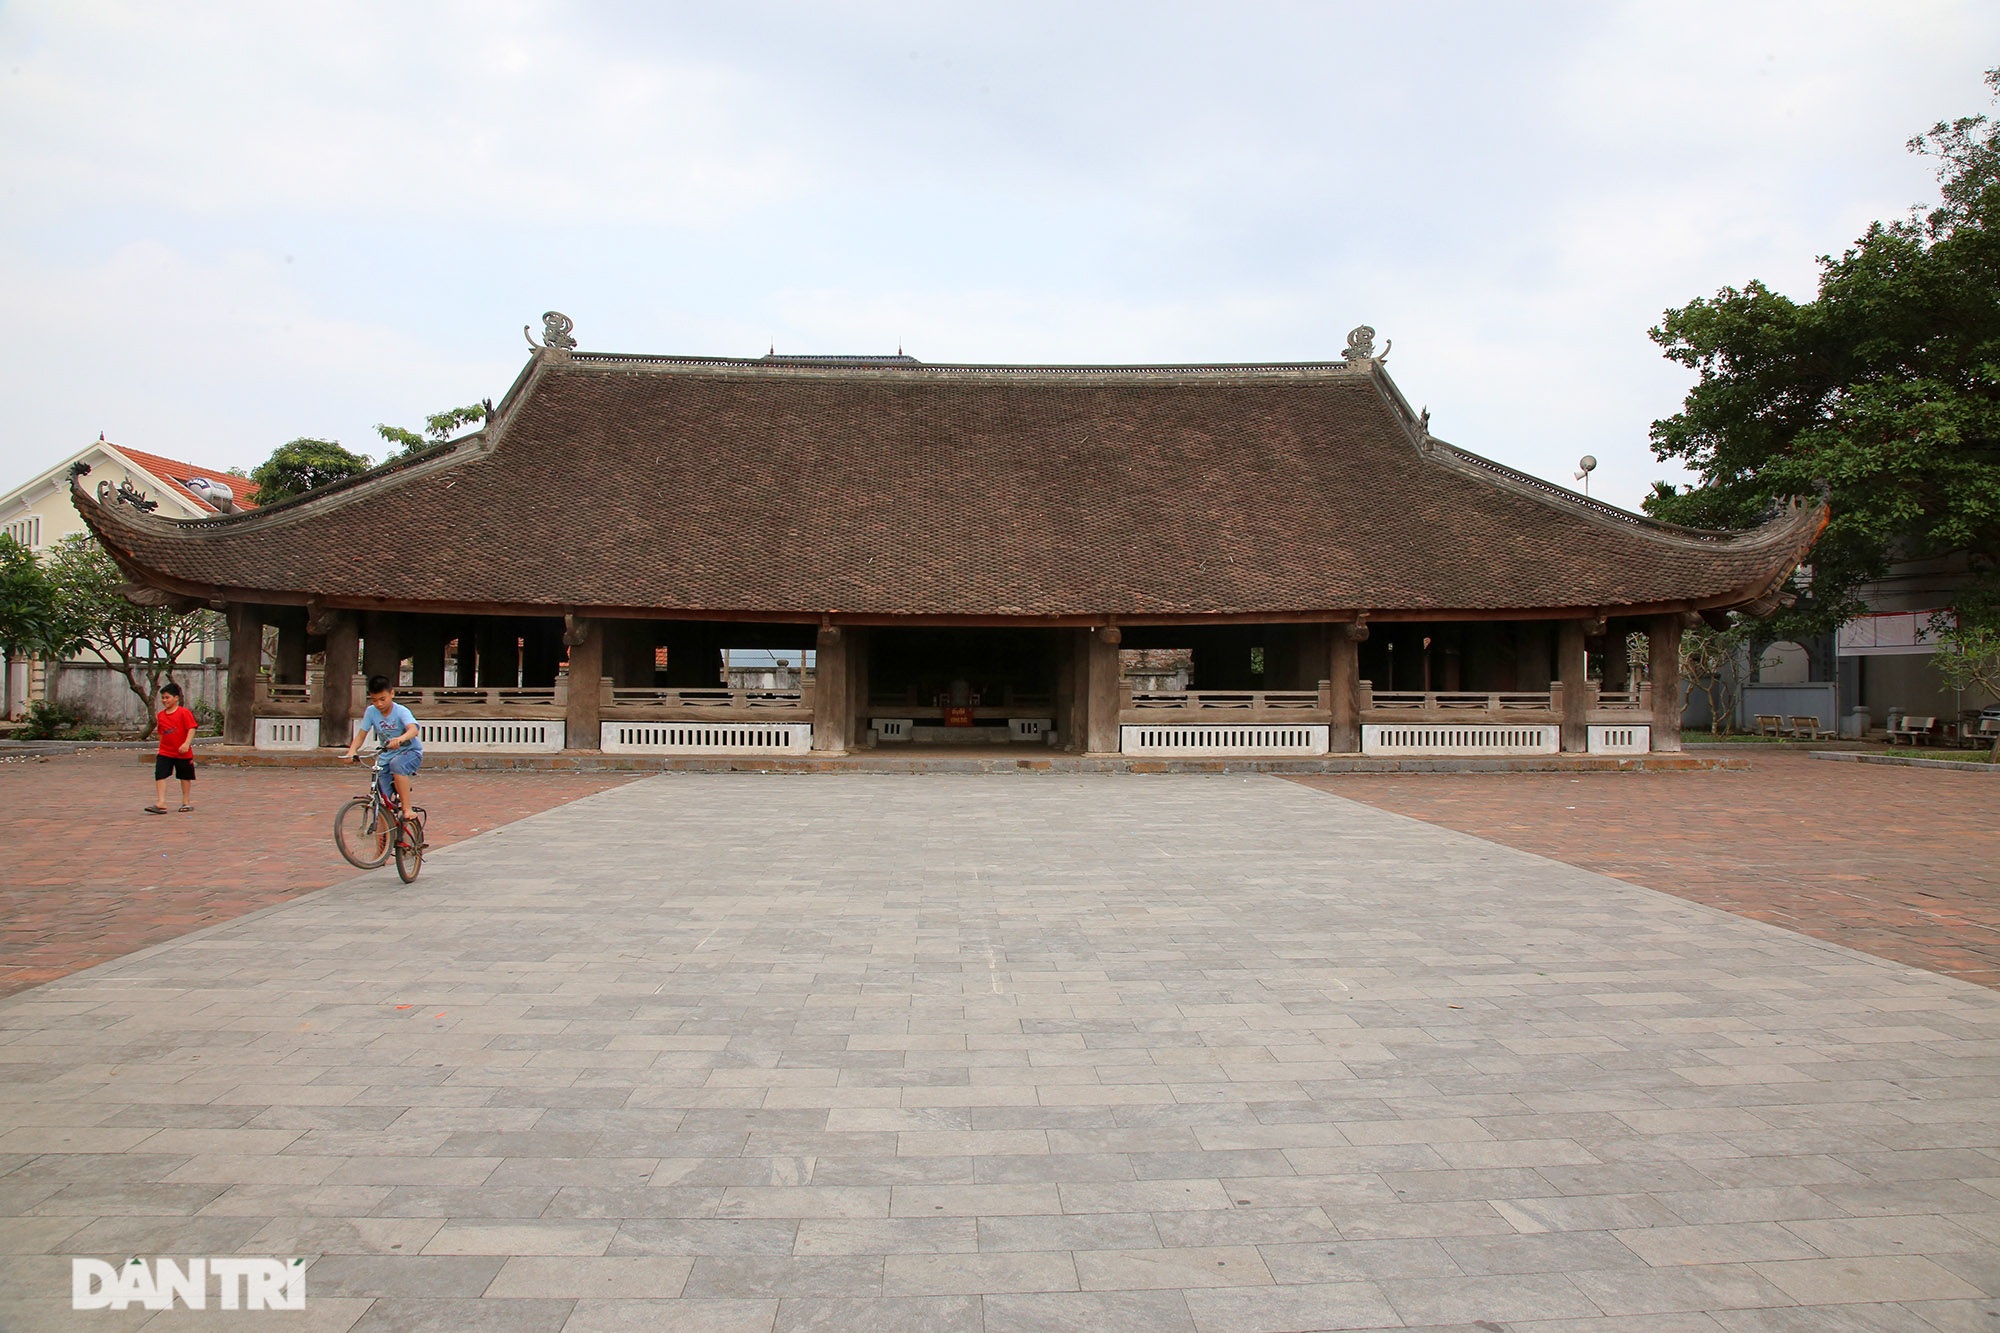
[{"x": 229, "y": 225}]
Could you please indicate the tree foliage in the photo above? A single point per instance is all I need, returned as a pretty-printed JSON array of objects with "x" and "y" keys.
[
  {"x": 303, "y": 465},
  {"x": 1968, "y": 658},
  {"x": 438, "y": 427},
  {"x": 145, "y": 643},
  {"x": 1711, "y": 663},
  {"x": 1884, "y": 390},
  {"x": 32, "y": 623}
]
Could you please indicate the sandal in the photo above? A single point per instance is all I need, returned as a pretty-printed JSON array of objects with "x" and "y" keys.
[
  {"x": 187, "y": 809},
  {"x": 156, "y": 809}
]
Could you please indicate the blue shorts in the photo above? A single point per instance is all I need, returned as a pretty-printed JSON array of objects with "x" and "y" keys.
[{"x": 403, "y": 762}]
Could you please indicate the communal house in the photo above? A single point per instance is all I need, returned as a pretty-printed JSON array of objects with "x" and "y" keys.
[{"x": 962, "y": 553}]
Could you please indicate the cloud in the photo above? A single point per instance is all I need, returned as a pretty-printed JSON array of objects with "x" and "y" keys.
[
  {"x": 1512, "y": 195},
  {"x": 479, "y": 111},
  {"x": 215, "y": 362}
]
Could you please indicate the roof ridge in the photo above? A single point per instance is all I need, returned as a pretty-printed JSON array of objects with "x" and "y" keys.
[{"x": 780, "y": 364}]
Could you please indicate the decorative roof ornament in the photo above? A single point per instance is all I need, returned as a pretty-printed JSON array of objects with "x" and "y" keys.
[
  {"x": 1424, "y": 423},
  {"x": 78, "y": 469},
  {"x": 127, "y": 495},
  {"x": 556, "y": 328},
  {"x": 1361, "y": 345}
]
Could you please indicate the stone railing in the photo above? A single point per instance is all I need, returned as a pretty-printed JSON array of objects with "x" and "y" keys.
[
  {"x": 426, "y": 701},
  {"x": 1254, "y": 700},
  {"x": 1218, "y": 706},
  {"x": 619, "y": 702},
  {"x": 1494, "y": 702}
]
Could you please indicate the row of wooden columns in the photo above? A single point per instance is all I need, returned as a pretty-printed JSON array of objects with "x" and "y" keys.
[{"x": 1087, "y": 694}]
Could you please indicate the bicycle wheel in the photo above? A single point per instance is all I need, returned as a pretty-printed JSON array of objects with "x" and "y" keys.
[
  {"x": 409, "y": 849},
  {"x": 361, "y": 835}
]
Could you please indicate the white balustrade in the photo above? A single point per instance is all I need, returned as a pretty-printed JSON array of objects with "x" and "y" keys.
[
  {"x": 717, "y": 738},
  {"x": 1444, "y": 738},
  {"x": 1201, "y": 740}
]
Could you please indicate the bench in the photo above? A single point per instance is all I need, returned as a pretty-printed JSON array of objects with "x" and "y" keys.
[
  {"x": 1807, "y": 728},
  {"x": 1915, "y": 730},
  {"x": 1770, "y": 724}
]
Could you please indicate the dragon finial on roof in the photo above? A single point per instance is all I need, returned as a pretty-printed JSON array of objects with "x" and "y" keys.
[{"x": 1361, "y": 345}]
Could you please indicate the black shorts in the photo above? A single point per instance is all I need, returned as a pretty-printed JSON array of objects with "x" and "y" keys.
[{"x": 173, "y": 766}]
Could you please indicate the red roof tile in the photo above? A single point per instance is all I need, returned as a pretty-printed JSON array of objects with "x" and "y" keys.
[{"x": 174, "y": 473}]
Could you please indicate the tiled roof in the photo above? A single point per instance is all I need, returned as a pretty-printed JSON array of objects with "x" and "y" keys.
[
  {"x": 173, "y": 473},
  {"x": 695, "y": 485}
]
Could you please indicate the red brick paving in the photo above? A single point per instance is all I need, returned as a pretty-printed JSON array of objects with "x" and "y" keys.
[
  {"x": 1902, "y": 863},
  {"x": 87, "y": 876}
]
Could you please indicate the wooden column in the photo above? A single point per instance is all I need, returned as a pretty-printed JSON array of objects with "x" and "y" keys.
[
  {"x": 1343, "y": 675},
  {"x": 500, "y": 653},
  {"x": 1101, "y": 694},
  {"x": 425, "y": 635},
  {"x": 858, "y": 646},
  {"x": 381, "y": 646},
  {"x": 290, "y": 666},
  {"x": 833, "y": 695},
  {"x": 637, "y": 655},
  {"x": 1315, "y": 645},
  {"x": 583, "y": 715},
  {"x": 1531, "y": 655},
  {"x": 1068, "y": 699},
  {"x": 1663, "y": 670},
  {"x": 343, "y": 653},
  {"x": 246, "y": 655},
  {"x": 1570, "y": 670},
  {"x": 1617, "y": 663},
  {"x": 542, "y": 652}
]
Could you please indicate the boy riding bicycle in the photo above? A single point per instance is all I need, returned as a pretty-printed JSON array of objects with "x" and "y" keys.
[{"x": 395, "y": 730}]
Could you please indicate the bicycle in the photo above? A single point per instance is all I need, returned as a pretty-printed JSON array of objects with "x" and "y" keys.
[{"x": 369, "y": 829}]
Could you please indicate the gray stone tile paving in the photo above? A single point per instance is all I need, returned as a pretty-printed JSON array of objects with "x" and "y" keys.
[{"x": 1213, "y": 1053}]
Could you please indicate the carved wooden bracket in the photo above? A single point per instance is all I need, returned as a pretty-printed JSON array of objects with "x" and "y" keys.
[
  {"x": 577, "y": 631},
  {"x": 140, "y": 594},
  {"x": 321, "y": 618},
  {"x": 1111, "y": 635},
  {"x": 1356, "y": 629}
]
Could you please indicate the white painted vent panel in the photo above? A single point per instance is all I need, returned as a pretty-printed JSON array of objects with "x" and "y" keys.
[
  {"x": 1030, "y": 728},
  {"x": 287, "y": 733},
  {"x": 890, "y": 728},
  {"x": 1618, "y": 739},
  {"x": 493, "y": 735},
  {"x": 1455, "y": 739},
  {"x": 1195, "y": 740},
  {"x": 707, "y": 737}
]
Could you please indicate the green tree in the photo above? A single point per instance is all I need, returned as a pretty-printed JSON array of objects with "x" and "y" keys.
[
  {"x": 145, "y": 643},
  {"x": 32, "y": 623},
  {"x": 304, "y": 465},
  {"x": 1968, "y": 658},
  {"x": 438, "y": 427},
  {"x": 1711, "y": 662},
  {"x": 1884, "y": 391}
]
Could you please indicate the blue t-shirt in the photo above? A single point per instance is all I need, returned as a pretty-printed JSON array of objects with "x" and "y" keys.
[{"x": 386, "y": 729}]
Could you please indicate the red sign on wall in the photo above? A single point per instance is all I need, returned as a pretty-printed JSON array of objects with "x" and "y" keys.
[{"x": 958, "y": 717}]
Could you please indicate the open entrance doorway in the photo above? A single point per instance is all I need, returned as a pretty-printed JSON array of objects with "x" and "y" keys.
[{"x": 957, "y": 686}]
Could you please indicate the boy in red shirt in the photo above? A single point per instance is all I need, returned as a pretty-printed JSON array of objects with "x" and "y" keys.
[{"x": 176, "y": 757}]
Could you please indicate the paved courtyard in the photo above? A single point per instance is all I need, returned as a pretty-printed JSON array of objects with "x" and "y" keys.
[
  {"x": 1000, "y": 1053},
  {"x": 88, "y": 876},
  {"x": 1903, "y": 863}
]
